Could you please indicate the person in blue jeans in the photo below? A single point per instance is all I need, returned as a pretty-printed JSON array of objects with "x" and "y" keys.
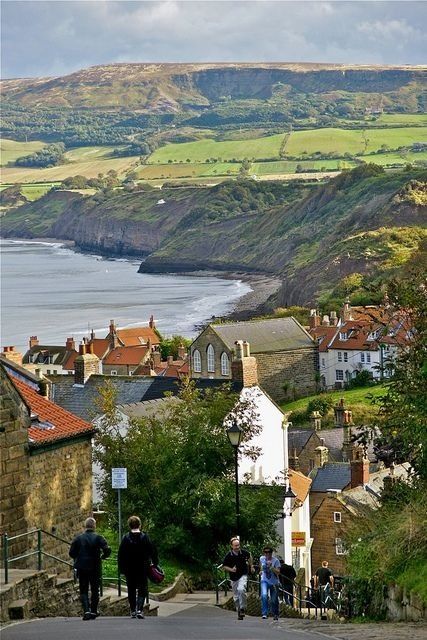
[{"x": 269, "y": 572}]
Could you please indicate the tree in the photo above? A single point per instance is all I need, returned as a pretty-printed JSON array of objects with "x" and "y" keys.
[
  {"x": 181, "y": 473},
  {"x": 170, "y": 346}
]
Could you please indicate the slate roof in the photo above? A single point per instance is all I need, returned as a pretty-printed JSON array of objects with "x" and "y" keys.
[
  {"x": 49, "y": 422},
  {"x": 83, "y": 400},
  {"x": 58, "y": 354},
  {"x": 333, "y": 475},
  {"x": 277, "y": 334},
  {"x": 298, "y": 438},
  {"x": 334, "y": 438}
]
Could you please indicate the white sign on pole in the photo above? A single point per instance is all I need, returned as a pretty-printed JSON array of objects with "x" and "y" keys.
[{"x": 119, "y": 478}]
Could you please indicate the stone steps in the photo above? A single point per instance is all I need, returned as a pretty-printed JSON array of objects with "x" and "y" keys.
[{"x": 19, "y": 609}]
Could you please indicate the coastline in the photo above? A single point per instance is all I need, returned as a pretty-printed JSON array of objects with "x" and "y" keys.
[{"x": 251, "y": 304}]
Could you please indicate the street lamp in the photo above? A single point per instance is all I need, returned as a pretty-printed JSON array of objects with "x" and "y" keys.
[{"x": 235, "y": 434}]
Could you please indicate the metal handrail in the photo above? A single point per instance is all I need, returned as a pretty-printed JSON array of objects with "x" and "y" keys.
[{"x": 39, "y": 551}]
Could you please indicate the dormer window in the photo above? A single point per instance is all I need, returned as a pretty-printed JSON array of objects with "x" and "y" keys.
[{"x": 344, "y": 335}]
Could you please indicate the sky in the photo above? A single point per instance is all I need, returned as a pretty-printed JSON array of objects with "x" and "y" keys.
[{"x": 51, "y": 38}]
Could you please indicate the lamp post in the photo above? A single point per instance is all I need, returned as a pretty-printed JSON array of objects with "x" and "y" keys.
[
  {"x": 288, "y": 507},
  {"x": 235, "y": 434}
]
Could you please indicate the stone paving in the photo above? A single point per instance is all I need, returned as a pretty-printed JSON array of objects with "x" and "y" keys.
[{"x": 365, "y": 631}]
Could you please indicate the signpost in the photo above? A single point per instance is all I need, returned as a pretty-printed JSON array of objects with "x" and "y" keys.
[
  {"x": 298, "y": 538},
  {"x": 119, "y": 481}
]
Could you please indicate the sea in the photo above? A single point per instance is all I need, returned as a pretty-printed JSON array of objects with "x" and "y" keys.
[{"x": 53, "y": 292}]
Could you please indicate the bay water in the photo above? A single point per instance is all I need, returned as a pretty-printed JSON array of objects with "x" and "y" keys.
[{"x": 54, "y": 292}]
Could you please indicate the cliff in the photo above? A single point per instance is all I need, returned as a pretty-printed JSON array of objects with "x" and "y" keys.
[{"x": 363, "y": 222}]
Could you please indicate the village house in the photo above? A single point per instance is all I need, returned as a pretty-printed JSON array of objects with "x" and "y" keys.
[
  {"x": 49, "y": 359},
  {"x": 339, "y": 507},
  {"x": 46, "y": 464},
  {"x": 286, "y": 354},
  {"x": 360, "y": 339}
]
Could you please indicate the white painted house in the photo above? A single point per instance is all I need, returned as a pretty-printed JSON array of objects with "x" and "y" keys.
[{"x": 272, "y": 464}]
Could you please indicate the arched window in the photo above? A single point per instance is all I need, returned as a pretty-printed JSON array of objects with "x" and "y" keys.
[
  {"x": 197, "y": 361},
  {"x": 225, "y": 364},
  {"x": 211, "y": 358}
]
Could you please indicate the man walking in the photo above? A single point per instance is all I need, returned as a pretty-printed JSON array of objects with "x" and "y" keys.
[
  {"x": 136, "y": 553},
  {"x": 269, "y": 572},
  {"x": 324, "y": 581},
  {"x": 87, "y": 550},
  {"x": 238, "y": 563}
]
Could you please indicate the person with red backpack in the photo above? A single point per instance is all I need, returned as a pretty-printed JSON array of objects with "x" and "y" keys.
[{"x": 136, "y": 554}]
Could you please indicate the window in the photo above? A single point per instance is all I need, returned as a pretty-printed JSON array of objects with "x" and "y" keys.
[
  {"x": 225, "y": 365},
  {"x": 339, "y": 356},
  {"x": 339, "y": 547},
  {"x": 362, "y": 358},
  {"x": 339, "y": 374},
  {"x": 337, "y": 516},
  {"x": 343, "y": 335},
  {"x": 197, "y": 361},
  {"x": 48, "y": 372},
  {"x": 113, "y": 372},
  {"x": 211, "y": 358},
  {"x": 323, "y": 362},
  {"x": 55, "y": 372},
  {"x": 368, "y": 358},
  {"x": 345, "y": 356}
]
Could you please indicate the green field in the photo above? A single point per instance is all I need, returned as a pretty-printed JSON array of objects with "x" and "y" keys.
[
  {"x": 385, "y": 159},
  {"x": 36, "y": 191},
  {"x": 86, "y": 154},
  {"x": 10, "y": 150},
  {"x": 202, "y": 150},
  {"x": 402, "y": 118},
  {"x": 342, "y": 141},
  {"x": 289, "y": 166},
  {"x": 187, "y": 170}
]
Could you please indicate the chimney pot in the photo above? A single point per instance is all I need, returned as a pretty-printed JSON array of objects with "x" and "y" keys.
[{"x": 33, "y": 342}]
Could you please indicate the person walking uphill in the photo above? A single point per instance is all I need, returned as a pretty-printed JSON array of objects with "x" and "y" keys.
[
  {"x": 87, "y": 550},
  {"x": 238, "y": 563},
  {"x": 269, "y": 572},
  {"x": 136, "y": 553}
]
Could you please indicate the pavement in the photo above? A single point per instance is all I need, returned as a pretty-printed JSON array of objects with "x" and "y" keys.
[{"x": 194, "y": 617}]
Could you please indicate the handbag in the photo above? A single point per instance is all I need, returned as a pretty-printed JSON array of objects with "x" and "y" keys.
[{"x": 155, "y": 574}]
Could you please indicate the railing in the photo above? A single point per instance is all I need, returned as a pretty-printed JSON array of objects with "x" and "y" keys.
[{"x": 39, "y": 552}]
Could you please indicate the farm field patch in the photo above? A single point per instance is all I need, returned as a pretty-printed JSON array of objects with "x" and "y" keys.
[
  {"x": 11, "y": 150},
  {"x": 289, "y": 166},
  {"x": 385, "y": 159},
  {"x": 89, "y": 169},
  {"x": 187, "y": 170},
  {"x": 86, "y": 154},
  {"x": 202, "y": 150},
  {"x": 405, "y": 119}
]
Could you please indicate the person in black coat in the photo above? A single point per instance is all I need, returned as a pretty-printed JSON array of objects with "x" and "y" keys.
[
  {"x": 136, "y": 553},
  {"x": 287, "y": 579},
  {"x": 87, "y": 551}
]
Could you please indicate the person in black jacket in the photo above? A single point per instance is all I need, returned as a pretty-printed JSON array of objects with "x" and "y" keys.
[
  {"x": 136, "y": 553},
  {"x": 87, "y": 550}
]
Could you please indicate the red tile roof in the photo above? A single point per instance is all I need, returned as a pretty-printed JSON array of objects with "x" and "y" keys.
[
  {"x": 137, "y": 336},
  {"x": 300, "y": 484},
  {"x": 126, "y": 356},
  {"x": 54, "y": 422},
  {"x": 100, "y": 346}
]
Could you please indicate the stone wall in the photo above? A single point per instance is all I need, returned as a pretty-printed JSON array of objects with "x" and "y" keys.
[
  {"x": 60, "y": 496},
  {"x": 14, "y": 463},
  {"x": 201, "y": 343},
  {"x": 402, "y": 604},
  {"x": 297, "y": 368}
]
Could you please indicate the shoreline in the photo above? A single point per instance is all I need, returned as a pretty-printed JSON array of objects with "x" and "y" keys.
[{"x": 251, "y": 304}]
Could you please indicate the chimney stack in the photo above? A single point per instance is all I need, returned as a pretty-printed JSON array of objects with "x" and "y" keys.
[
  {"x": 70, "y": 345},
  {"x": 294, "y": 461},
  {"x": 169, "y": 359},
  {"x": 321, "y": 456},
  {"x": 333, "y": 318},
  {"x": 85, "y": 365},
  {"x": 314, "y": 320},
  {"x": 346, "y": 311},
  {"x": 325, "y": 321},
  {"x": 33, "y": 342},
  {"x": 244, "y": 366},
  {"x": 339, "y": 412},
  {"x": 182, "y": 353},
  {"x": 11, "y": 354},
  {"x": 359, "y": 471},
  {"x": 157, "y": 358},
  {"x": 151, "y": 322},
  {"x": 315, "y": 420}
]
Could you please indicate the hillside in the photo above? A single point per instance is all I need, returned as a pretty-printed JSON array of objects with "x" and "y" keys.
[
  {"x": 365, "y": 222},
  {"x": 175, "y": 87}
]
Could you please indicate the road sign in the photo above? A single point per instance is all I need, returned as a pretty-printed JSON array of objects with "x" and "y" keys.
[{"x": 119, "y": 478}]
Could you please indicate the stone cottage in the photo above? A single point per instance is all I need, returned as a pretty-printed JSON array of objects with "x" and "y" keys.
[
  {"x": 286, "y": 355},
  {"x": 46, "y": 465}
]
